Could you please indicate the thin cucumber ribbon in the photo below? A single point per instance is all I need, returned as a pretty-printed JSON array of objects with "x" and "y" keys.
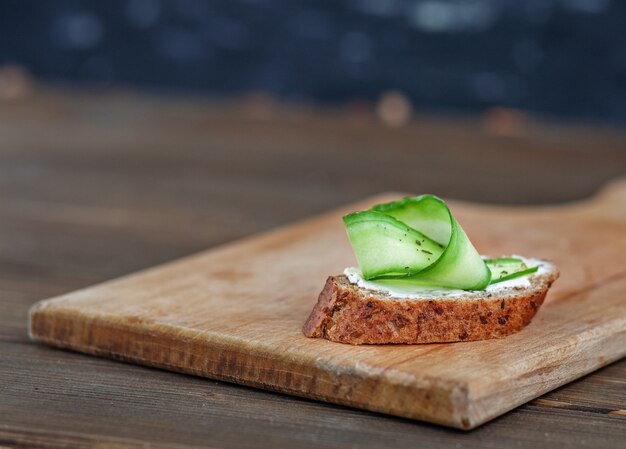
[{"x": 418, "y": 241}]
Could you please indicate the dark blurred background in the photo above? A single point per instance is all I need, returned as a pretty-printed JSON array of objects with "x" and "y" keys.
[{"x": 554, "y": 58}]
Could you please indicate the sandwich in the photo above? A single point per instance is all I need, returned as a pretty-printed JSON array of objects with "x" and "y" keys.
[{"x": 420, "y": 280}]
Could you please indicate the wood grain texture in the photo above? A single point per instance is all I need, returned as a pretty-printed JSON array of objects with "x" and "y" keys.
[
  {"x": 97, "y": 185},
  {"x": 235, "y": 313}
]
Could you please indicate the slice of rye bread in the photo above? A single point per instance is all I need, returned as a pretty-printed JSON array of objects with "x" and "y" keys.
[{"x": 346, "y": 313}]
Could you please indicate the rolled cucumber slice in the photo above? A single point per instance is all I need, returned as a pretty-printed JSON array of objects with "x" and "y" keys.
[
  {"x": 416, "y": 239},
  {"x": 387, "y": 248}
]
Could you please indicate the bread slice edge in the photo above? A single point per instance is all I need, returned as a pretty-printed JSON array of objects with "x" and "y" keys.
[{"x": 346, "y": 313}]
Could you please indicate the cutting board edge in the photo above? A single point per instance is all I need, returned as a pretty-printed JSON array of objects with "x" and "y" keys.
[
  {"x": 57, "y": 326},
  {"x": 465, "y": 411},
  {"x": 574, "y": 365}
]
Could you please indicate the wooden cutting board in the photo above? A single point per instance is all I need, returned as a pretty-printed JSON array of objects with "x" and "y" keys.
[{"x": 235, "y": 313}]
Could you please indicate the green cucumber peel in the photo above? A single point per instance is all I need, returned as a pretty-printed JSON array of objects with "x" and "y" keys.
[
  {"x": 506, "y": 268},
  {"x": 406, "y": 250},
  {"x": 515, "y": 275},
  {"x": 416, "y": 240}
]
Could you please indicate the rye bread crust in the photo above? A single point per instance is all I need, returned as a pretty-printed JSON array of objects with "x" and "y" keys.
[{"x": 346, "y": 313}]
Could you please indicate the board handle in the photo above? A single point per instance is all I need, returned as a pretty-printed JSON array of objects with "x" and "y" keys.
[{"x": 610, "y": 199}]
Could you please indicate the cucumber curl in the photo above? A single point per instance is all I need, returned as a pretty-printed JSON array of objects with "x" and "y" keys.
[{"x": 418, "y": 241}]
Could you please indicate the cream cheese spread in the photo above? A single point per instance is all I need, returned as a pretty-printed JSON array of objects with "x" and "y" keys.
[{"x": 398, "y": 289}]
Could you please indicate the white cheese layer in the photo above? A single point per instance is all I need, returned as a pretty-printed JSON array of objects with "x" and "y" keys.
[{"x": 398, "y": 289}]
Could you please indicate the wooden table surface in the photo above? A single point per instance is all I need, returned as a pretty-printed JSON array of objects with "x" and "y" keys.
[{"x": 97, "y": 185}]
